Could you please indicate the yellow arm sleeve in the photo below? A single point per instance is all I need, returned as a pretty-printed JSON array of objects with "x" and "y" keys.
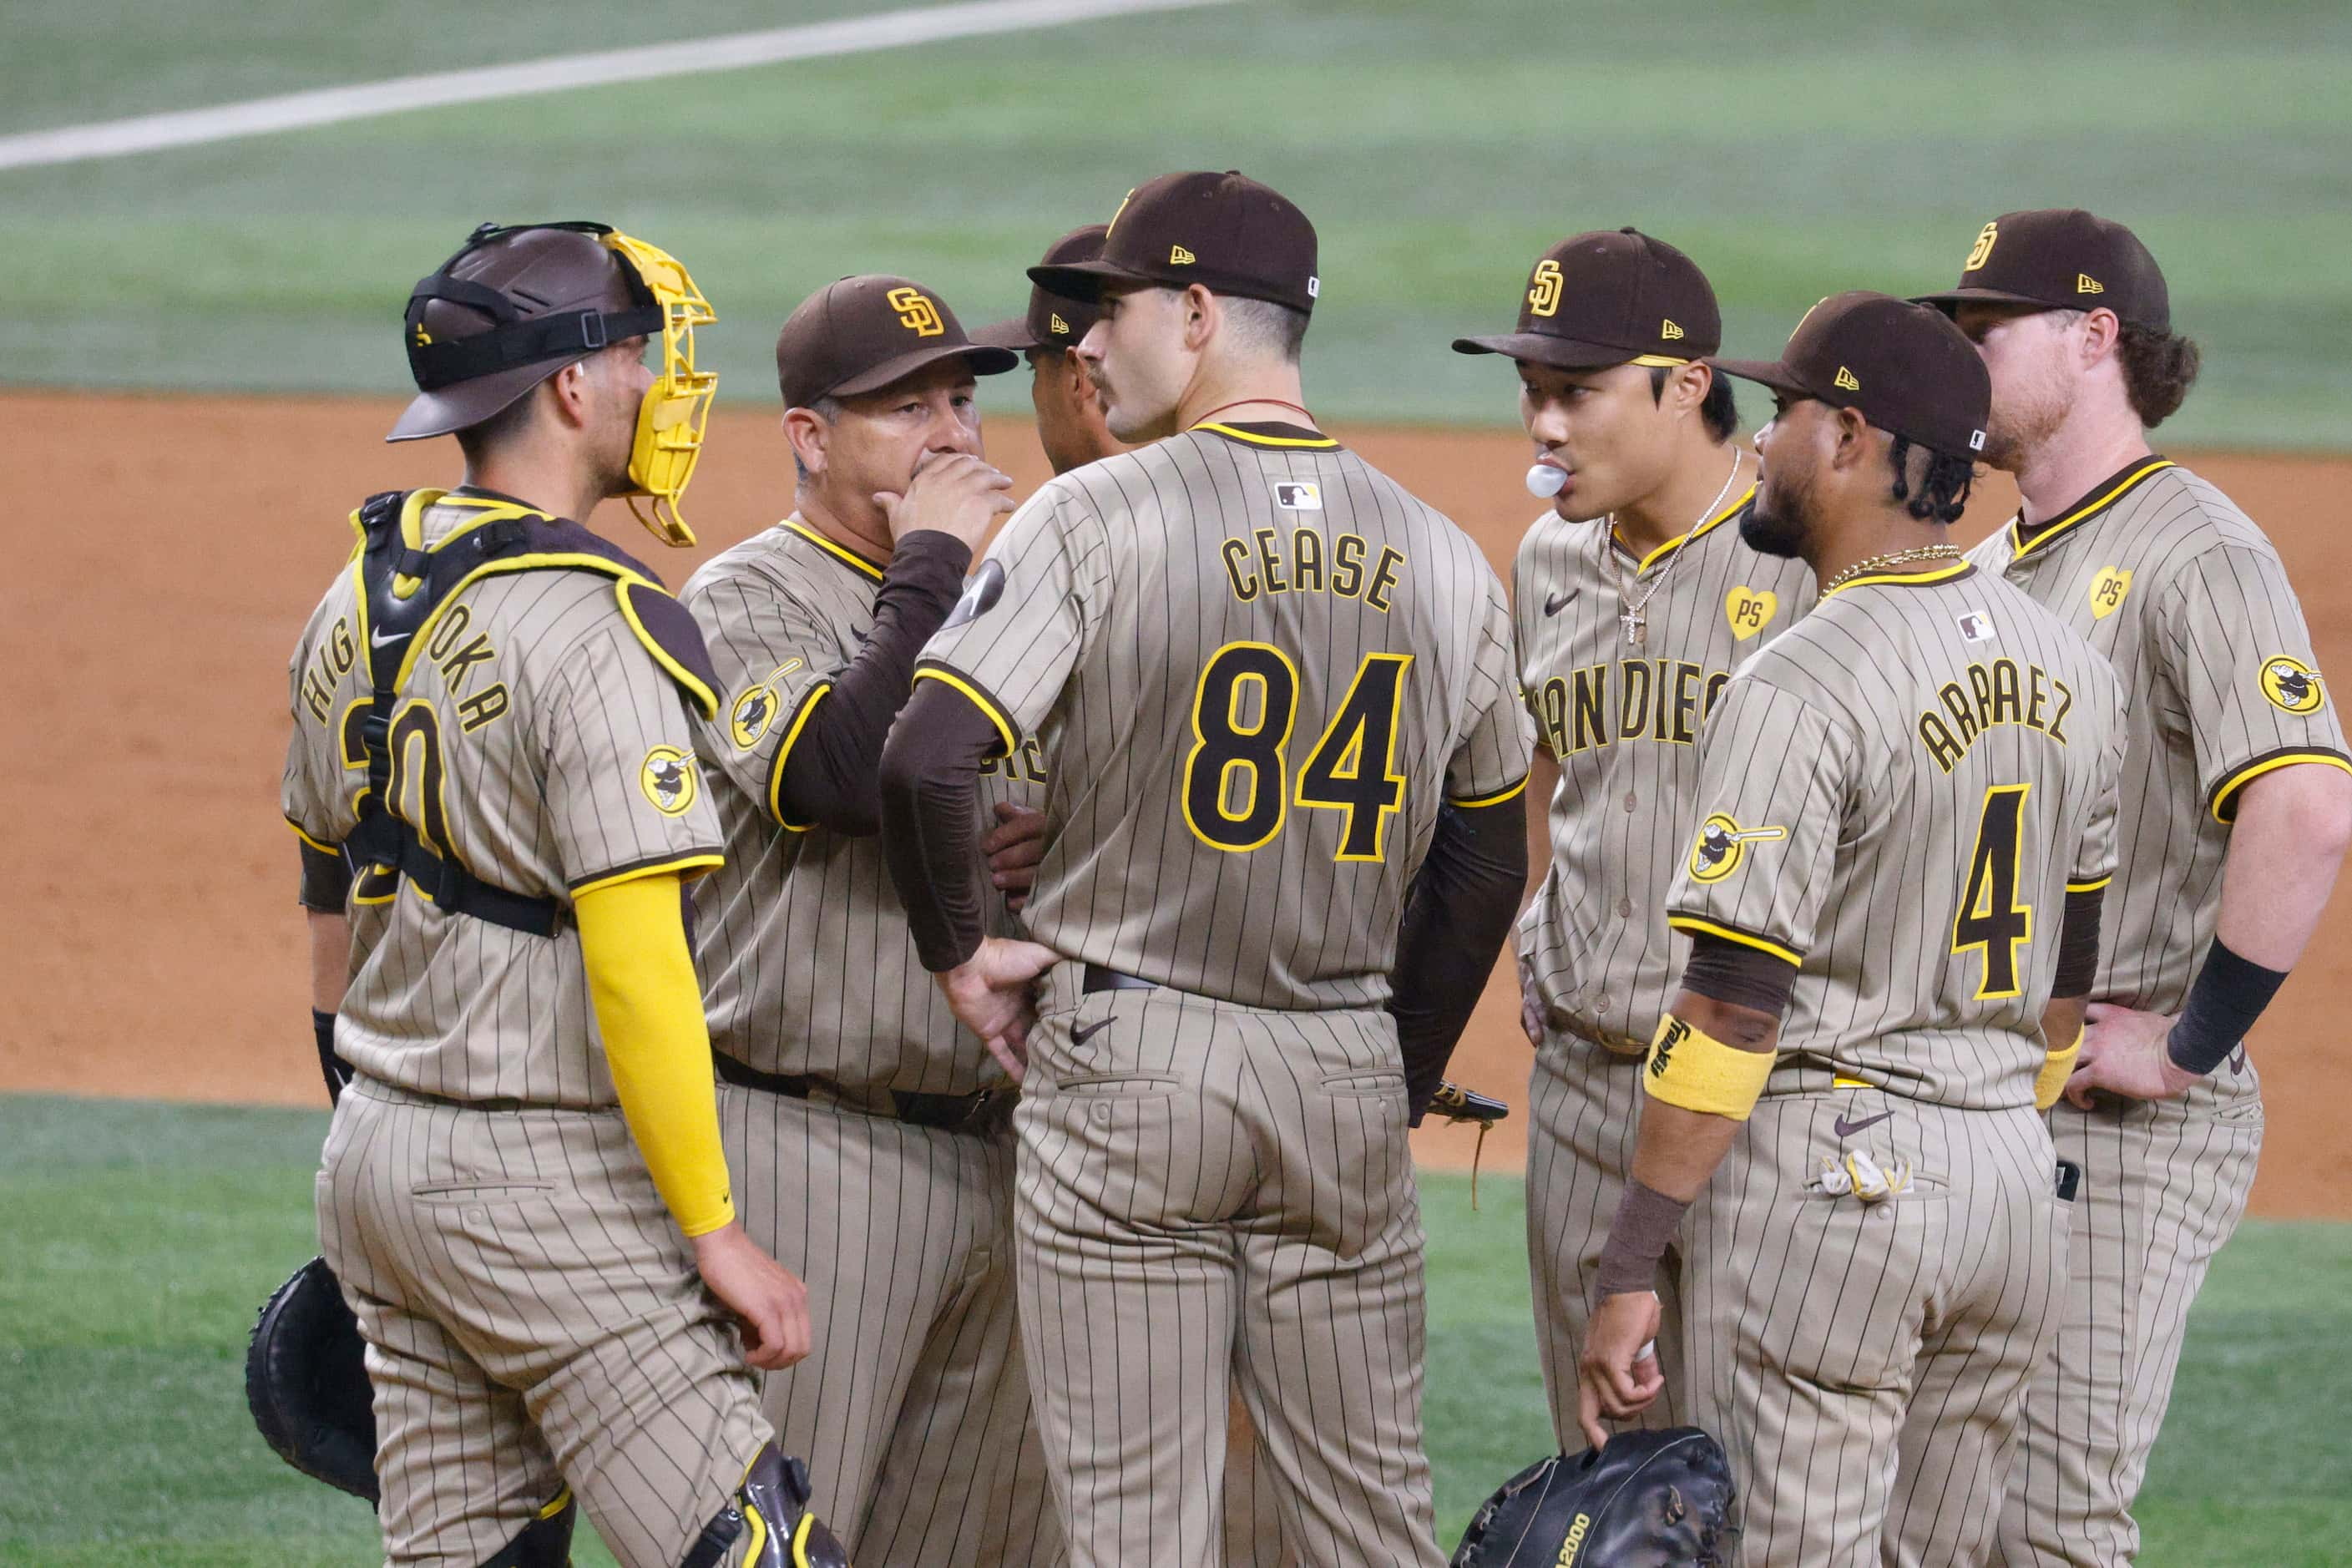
[
  {"x": 2057, "y": 1068},
  {"x": 649, "y": 1007}
]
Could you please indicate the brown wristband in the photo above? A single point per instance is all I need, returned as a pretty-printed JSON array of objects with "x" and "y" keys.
[{"x": 1638, "y": 1238}]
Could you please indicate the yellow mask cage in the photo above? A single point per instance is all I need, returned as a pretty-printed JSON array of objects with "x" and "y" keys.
[{"x": 670, "y": 421}]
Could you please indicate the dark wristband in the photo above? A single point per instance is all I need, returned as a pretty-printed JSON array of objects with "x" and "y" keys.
[
  {"x": 332, "y": 1068},
  {"x": 2229, "y": 994},
  {"x": 1638, "y": 1238}
]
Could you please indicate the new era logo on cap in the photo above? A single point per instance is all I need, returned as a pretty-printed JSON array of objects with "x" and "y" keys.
[
  {"x": 1844, "y": 381},
  {"x": 1222, "y": 232},
  {"x": 2086, "y": 284},
  {"x": 1668, "y": 331}
]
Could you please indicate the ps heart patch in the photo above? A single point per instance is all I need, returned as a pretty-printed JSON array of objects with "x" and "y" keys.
[{"x": 1748, "y": 611}]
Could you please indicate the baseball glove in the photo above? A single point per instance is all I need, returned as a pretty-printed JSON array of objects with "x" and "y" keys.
[
  {"x": 305, "y": 1383},
  {"x": 1649, "y": 1499}
]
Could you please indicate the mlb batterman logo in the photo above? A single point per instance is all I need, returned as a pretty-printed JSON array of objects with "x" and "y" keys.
[
  {"x": 668, "y": 779},
  {"x": 2292, "y": 684},
  {"x": 917, "y": 312},
  {"x": 1723, "y": 844}
]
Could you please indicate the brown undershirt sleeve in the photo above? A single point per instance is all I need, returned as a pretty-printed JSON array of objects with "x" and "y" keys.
[
  {"x": 2078, "y": 944},
  {"x": 929, "y": 817},
  {"x": 1457, "y": 914},
  {"x": 830, "y": 775},
  {"x": 1740, "y": 976}
]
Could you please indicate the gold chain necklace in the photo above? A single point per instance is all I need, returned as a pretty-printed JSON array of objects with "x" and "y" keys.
[{"x": 1893, "y": 558}]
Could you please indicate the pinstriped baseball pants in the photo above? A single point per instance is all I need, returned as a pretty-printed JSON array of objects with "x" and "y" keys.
[
  {"x": 532, "y": 1317},
  {"x": 2164, "y": 1187},
  {"x": 1212, "y": 1195},
  {"x": 1584, "y": 1112},
  {"x": 912, "y": 1409},
  {"x": 1865, "y": 1365}
]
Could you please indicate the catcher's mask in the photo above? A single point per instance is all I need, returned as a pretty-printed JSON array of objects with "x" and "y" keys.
[
  {"x": 1649, "y": 1499},
  {"x": 518, "y": 302}
]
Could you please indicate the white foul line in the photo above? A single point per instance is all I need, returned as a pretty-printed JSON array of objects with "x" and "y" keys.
[{"x": 733, "y": 51}]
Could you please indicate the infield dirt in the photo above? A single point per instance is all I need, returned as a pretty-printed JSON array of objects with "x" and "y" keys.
[{"x": 164, "y": 552}]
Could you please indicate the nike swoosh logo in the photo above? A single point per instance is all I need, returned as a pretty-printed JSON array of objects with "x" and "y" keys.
[
  {"x": 1845, "y": 1129},
  {"x": 1080, "y": 1036},
  {"x": 1555, "y": 603},
  {"x": 377, "y": 640}
]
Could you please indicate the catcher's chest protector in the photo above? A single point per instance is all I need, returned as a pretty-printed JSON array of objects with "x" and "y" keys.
[{"x": 1649, "y": 1499}]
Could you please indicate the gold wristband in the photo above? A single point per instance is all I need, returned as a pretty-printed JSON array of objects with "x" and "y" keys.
[
  {"x": 1693, "y": 1070},
  {"x": 2057, "y": 1068}
]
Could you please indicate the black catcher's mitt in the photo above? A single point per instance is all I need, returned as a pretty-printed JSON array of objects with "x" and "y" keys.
[
  {"x": 1649, "y": 1499},
  {"x": 306, "y": 1382}
]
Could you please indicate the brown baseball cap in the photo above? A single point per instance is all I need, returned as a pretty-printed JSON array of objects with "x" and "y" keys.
[
  {"x": 1054, "y": 321},
  {"x": 1226, "y": 232},
  {"x": 862, "y": 333},
  {"x": 516, "y": 304},
  {"x": 1607, "y": 298},
  {"x": 1901, "y": 365},
  {"x": 2062, "y": 259}
]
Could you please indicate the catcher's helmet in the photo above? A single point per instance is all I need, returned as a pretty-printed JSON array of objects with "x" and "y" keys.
[{"x": 1649, "y": 1499}]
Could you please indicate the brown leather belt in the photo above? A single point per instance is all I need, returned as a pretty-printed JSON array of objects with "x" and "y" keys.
[{"x": 946, "y": 1112}]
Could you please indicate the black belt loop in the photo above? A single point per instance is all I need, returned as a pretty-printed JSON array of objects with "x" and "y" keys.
[{"x": 1097, "y": 978}]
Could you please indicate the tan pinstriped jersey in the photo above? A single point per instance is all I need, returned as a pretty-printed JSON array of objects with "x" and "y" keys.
[
  {"x": 807, "y": 962},
  {"x": 1896, "y": 795},
  {"x": 537, "y": 739},
  {"x": 1259, "y": 667},
  {"x": 1624, "y": 722},
  {"x": 2186, "y": 598}
]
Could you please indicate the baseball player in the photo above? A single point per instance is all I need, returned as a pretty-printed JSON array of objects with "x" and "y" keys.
[
  {"x": 1069, "y": 416},
  {"x": 1277, "y": 694},
  {"x": 866, "y": 1132},
  {"x": 1635, "y": 598},
  {"x": 2236, "y": 789},
  {"x": 522, "y": 1191},
  {"x": 1905, "y": 815},
  {"x": 1070, "y": 428}
]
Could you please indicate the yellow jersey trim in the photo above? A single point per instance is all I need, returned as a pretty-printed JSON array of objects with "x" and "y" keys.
[
  {"x": 1704, "y": 529},
  {"x": 1839, "y": 1080},
  {"x": 2090, "y": 887},
  {"x": 1698, "y": 927},
  {"x": 840, "y": 552},
  {"x": 1909, "y": 579},
  {"x": 1004, "y": 727},
  {"x": 1318, "y": 443},
  {"x": 1496, "y": 799},
  {"x": 785, "y": 749},
  {"x": 322, "y": 848},
  {"x": 2048, "y": 531},
  {"x": 687, "y": 867},
  {"x": 623, "y": 578},
  {"x": 2225, "y": 796}
]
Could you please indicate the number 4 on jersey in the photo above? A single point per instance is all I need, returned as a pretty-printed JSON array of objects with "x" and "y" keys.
[
  {"x": 1353, "y": 767},
  {"x": 1991, "y": 919}
]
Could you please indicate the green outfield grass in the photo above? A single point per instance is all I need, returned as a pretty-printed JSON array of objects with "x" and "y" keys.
[
  {"x": 1795, "y": 147},
  {"x": 139, "y": 1239}
]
